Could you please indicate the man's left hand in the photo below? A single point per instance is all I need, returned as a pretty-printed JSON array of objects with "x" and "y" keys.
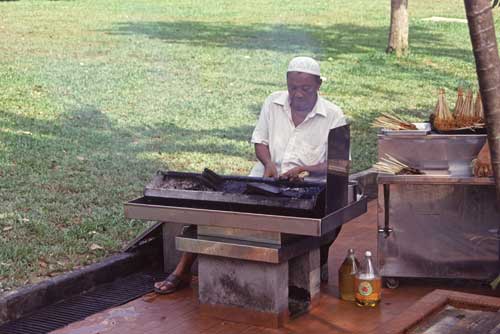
[
  {"x": 295, "y": 174},
  {"x": 481, "y": 166}
]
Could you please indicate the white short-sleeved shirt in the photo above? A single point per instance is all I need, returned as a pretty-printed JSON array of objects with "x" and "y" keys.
[{"x": 291, "y": 146}]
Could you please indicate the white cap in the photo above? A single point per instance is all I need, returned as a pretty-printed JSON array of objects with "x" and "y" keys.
[{"x": 305, "y": 65}]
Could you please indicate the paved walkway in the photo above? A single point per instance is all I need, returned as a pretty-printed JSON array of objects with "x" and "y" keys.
[{"x": 178, "y": 313}]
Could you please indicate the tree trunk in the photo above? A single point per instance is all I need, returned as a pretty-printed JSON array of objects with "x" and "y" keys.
[
  {"x": 484, "y": 44},
  {"x": 398, "y": 34}
]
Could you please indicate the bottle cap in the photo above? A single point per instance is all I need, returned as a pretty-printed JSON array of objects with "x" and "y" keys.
[
  {"x": 350, "y": 251},
  {"x": 368, "y": 253}
]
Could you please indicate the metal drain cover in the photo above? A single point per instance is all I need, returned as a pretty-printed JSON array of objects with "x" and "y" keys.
[{"x": 76, "y": 308}]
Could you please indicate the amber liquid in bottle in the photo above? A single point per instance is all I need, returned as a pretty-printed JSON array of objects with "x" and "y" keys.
[
  {"x": 347, "y": 275},
  {"x": 368, "y": 284}
]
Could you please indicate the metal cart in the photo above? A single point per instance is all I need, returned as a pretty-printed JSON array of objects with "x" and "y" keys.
[{"x": 444, "y": 224}]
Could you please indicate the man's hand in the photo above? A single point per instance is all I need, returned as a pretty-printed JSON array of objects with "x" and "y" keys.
[
  {"x": 263, "y": 154},
  {"x": 481, "y": 166},
  {"x": 270, "y": 170},
  {"x": 295, "y": 174}
]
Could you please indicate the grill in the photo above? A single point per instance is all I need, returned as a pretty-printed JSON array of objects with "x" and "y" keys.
[
  {"x": 79, "y": 307},
  {"x": 237, "y": 194},
  {"x": 258, "y": 239}
]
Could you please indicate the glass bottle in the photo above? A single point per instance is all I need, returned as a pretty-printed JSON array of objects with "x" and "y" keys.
[
  {"x": 368, "y": 283},
  {"x": 347, "y": 275}
]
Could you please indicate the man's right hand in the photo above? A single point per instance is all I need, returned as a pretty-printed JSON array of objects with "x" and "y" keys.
[{"x": 270, "y": 170}]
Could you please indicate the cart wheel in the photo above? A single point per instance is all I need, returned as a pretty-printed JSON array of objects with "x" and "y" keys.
[{"x": 391, "y": 282}]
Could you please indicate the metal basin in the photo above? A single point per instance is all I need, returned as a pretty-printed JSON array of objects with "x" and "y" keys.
[{"x": 449, "y": 154}]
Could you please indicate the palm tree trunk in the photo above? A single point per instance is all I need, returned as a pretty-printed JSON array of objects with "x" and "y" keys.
[
  {"x": 484, "y": 44},
  {"x": 398, "y": 34}
]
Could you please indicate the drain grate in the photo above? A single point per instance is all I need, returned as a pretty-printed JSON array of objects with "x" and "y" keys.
[{"x": 79, "y": 307}]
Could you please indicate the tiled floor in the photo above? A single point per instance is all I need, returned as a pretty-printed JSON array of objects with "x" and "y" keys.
[{"x": 179, "y": 313}]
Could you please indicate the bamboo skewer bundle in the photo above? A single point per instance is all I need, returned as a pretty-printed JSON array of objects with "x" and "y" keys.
[
  {"x": 459, "y": 105},
  {"x": 443, "y": 118},
  {"x": 466, "y": 119},
  {"x": 391, "y": 122},
  {"x": 466, "y": 116},
  {"x": 478, "y": 109},
  {"x": 391, "y": 165}
]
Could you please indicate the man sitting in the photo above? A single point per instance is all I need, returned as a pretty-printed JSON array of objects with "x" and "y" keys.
[{"x": 290, "y": 138}]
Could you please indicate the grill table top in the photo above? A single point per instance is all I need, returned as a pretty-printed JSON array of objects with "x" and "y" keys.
[{"x": 171, "y": 211}]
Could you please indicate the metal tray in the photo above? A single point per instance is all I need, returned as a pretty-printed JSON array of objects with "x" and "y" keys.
[
  {"x": 423, "y": 129},
  {"x": 471, "y": 131},
  {"x": 169, "y": 211}
]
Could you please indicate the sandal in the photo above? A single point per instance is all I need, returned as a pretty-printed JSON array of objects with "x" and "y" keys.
[{"x": 171, "y": 284}]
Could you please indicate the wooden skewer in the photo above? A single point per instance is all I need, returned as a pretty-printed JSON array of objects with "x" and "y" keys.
[
  {"x": 392, "y": 162},
  {"x": 386, "y": 165},
  {"x": 395, "y": 160},
  {"x": 386, "y": 169},
  {"x": 393, "y": 123},
  {"x": 397, "y": 120},
  {"x": 391, "y": 165}
]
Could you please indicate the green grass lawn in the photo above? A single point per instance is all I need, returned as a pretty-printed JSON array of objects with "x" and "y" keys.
[{"x": 95, "y": 96}]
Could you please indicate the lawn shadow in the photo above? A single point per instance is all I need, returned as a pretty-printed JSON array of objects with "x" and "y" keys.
[
  {"x": 335, "y": 41},
  {"x": 71, "y": 173},
  {"x": 171, "y": 138},
  {"x": 87, "y": 131},
  {"x": 362, "y": 46},
  {"x": 86, "y": 115},
  {"x": 282, "y": 38}
]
